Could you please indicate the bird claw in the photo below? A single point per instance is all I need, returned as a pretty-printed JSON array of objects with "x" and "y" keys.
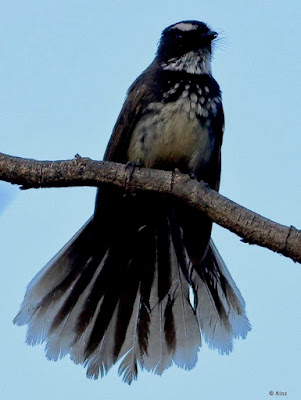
[{"x": 131, "y": 166}]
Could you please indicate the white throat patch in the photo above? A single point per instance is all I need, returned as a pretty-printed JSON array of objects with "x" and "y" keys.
[
  {"x": 191, "y": 62},
  {"x": 185, "y": 27}
]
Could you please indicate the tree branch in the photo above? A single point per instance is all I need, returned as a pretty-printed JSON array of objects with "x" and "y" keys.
[{"x": 252, "y": 227}]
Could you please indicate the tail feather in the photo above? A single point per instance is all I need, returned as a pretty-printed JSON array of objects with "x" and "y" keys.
[
  {"x": 187, "y": 332},
  {"x": 63, "y": 335},
  {"x": 128, "y": 300},
  {"x": 220, "y": 308},
  {"x": 103, "y": 358},
  {"x": 78, "y": 348},
  {"x": 156, "y": 356},
  {"x": 163, "y": 257},
  {"x": 78, "y": 287},
  {"x": 131, "y": 346}
]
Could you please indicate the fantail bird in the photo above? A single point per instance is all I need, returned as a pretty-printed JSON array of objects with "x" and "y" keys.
[{"x": 142, "y": 282}]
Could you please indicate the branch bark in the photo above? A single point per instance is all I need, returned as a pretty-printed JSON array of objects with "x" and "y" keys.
[{"x": 251, "y": 227}]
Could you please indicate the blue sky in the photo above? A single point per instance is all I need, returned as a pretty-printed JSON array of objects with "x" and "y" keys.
[{"x": 65, "y": 67}]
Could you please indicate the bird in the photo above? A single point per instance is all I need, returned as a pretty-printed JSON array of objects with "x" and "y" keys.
[{"x": 142, "y": 283}]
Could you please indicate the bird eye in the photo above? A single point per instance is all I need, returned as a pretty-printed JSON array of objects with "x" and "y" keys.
[{"x": 179, "y": 36}]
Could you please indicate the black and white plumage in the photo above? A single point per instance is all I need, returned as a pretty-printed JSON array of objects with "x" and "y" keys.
[{"x": 121, "y": 289}]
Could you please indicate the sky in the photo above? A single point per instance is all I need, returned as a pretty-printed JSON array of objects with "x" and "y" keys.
[{"x": 64, "y": 71}]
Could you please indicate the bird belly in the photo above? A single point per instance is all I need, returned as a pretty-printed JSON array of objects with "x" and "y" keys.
[{"x": 171, "y": 135}]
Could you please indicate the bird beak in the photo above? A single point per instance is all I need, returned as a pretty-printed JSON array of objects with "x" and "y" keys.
[{"x": 210, "y": 35}]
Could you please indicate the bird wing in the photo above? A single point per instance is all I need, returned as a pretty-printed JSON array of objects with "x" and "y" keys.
[
  {"x": 215, "y": 170},
  {"x": 129, "y": 116}
]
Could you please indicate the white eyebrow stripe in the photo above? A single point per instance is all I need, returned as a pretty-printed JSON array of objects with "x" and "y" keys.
[{"x": 182, "y": 26}]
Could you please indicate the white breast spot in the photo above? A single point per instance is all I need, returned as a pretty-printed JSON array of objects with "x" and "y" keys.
[
  {"x": 202, "y": 100},
  {"x": 205, "y": 113},
  {"x": 194, "y": 97},
  {"x": 213, "y": 108},
  {"x": 187, "y": 87},
  {"x": 185, "y": 93}
]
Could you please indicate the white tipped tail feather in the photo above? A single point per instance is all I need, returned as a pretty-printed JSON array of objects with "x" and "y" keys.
[{"x": 132, "y": 305}]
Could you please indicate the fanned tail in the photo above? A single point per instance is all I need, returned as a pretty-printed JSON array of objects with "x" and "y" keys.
[{"x": 119, "y": 291}]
